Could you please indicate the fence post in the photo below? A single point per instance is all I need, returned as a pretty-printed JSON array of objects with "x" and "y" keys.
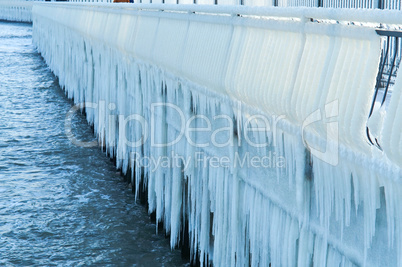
[{"x": 380, "y": 5}]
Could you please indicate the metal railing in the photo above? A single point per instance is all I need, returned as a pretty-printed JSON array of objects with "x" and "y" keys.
[
  {"x": 388, "y": 68},
  {"x": 380, "y": 4},
  {"x": 369, "y": 4},
  {"x": 391, "y": 54}
]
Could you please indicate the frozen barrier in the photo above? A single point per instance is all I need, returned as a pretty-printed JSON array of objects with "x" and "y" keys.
[
  {"x": 367, "y": 4},
  {"x": 149, "y": 74},
  {"x": 392, "y": 130},
  {"x": 16, "y": 10}
]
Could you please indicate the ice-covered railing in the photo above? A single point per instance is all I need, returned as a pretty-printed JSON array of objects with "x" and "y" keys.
[
  {"x": 370, "y": 4},
  {"x": 311, "y": 73},
  {"x": 369, "y": 18},
  {"x": 16, "y": 10},
  {"x": 388, "y": 70}
]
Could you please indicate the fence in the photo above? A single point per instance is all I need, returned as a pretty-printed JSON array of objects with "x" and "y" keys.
[
  {"x": 391, "y": 40},
  {"x": 387, "y": 71},
  {"x": 16, "y": 10},
  {"x": 381, "y": 4}
]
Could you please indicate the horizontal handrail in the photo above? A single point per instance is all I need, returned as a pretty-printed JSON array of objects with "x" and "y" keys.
[
  {"x": 389, "y": 33},
  {"x": 328, "y": 14}
]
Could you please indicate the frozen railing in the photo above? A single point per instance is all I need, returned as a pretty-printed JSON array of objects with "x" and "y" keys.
[
  {"x": 388, "y": 23},
  {"x": 389, "y": 65},
  {"x": 209, "y": 60},
  {"x": 381, "y": 4},
  {"x": 16, "y": 10},
  {"x": 370, "y": 4},
  {"x": 390, "y": 50}
]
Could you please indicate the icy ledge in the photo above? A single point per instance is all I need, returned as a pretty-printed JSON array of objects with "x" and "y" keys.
[
  {"x": 320, "y": 209},
  {"x": 16, "y": 10}
]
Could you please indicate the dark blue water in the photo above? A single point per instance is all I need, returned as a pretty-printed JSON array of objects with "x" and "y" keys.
[{"x": 60, "y": 204}]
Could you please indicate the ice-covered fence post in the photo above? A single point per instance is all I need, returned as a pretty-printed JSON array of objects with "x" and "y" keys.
[
  {"x": 379, "y": 4},
  {"x": 390, "y": 59},
  {"x": 390, "y": 72}
]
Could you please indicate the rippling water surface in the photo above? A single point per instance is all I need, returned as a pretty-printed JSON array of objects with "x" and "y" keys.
[{"x": 60, "y": 204}]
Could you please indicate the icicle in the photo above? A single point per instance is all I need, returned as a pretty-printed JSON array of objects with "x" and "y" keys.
[{"x": 250, "y": 224}]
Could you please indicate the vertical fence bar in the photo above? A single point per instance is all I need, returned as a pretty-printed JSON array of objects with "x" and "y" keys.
[
  {"x": 392, "y": 69},
  {"x": 379, "y": 76},
  {"x": 392, "y": 62}
]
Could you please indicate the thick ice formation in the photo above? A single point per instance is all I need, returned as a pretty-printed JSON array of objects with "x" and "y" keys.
[
  {"x": 392, "y": 131},
  {"x": 372, "y": 4},
  {"x": 146, "y": 77},
  {"x": 16, "y": 10}
]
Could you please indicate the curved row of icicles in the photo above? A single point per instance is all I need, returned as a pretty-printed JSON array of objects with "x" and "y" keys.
[{"x": 214, "y": 66}]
